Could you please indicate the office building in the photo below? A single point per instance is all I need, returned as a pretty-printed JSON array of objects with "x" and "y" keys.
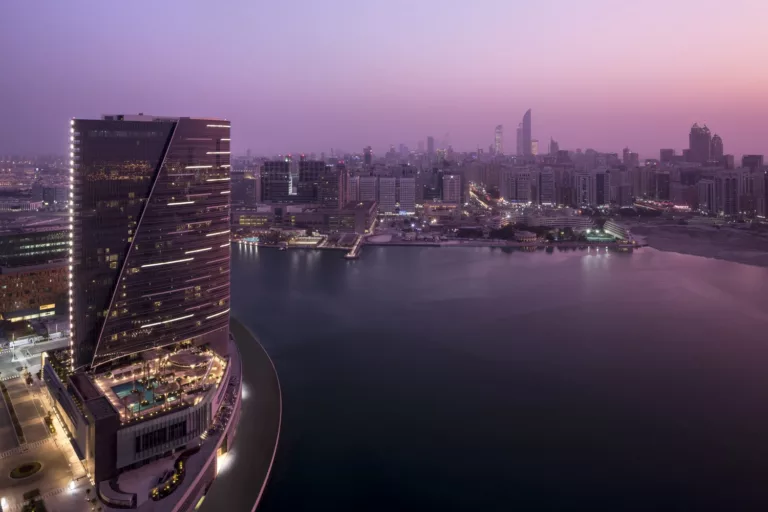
[
  {"x": 387, "y": 194},
  {"x": 276, "y": 182},
  {"x": 554, "y": 147},
  {"x": 667, "y": 156},
  {"x": 498, "y": 142},
  {"x": 546, "y": 187},
  {"x": 368, "y": 155},
  {"x": 716, "y": 151},
  {"x": 700, "y": 144},
  {"x": 752, "y": 162},
  {"x": 727, "y": 191},
  {"x": 368, "y": 188},
  {"x": 706, "y": 193},
  {"x": 407, "y": 190},
  {"x": 526, "y": 134},
  {"x": 431, "y": 148},
  {"x": 334, "y": 186},
  {"x": 534, "y": 147},
  {"x": 149, "y": 301},
  {"x": 451, "y": 188},
  {"x": 310, "y": 174}
]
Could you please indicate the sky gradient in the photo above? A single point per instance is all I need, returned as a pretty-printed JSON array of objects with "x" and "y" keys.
[{"x": 309, "y": 75}]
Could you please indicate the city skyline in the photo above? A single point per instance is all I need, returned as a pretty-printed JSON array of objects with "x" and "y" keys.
[{"x": 383, "y": 90}]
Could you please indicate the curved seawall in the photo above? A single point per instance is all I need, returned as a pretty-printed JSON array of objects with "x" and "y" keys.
[{"x": 243, "y": 478}]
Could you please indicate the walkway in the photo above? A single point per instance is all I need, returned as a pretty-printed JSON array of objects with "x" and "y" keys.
[{"x": 239, "y": 487}]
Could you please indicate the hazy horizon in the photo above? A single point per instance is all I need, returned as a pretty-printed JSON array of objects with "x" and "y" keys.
[{"x": 300, "y": 76}]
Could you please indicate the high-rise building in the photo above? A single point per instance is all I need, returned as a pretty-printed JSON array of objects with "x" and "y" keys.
[
  {"x": 727, "y": 185},
  {"x": 526, "y": 134},
  {"x": 367, "y": 190},
  {"x": 592, "y": 187},
  {"x": 752, "y": 162},
  {"x": 700, "y": 144},
  {"x": 431, "y": 148},
  {"x": 333, "y": 187},
  {"x": 520, "y": 151},
  {"x": 625, "y": 156},
  {"x": 276, "y": 181},
  {"x": 554, "y": 147},
  {"x": 716, "y": 151},
  {"x": 151, "y": 227},
  {"x": 367, "y": 155},
  {"x": 546, "y": 186},
  {"x": 517, "y": 185},
  {"x": 387, "y": 194},
  {"x": 452, "y": 188},
  {"x": 310, "y": 174},
  {"x": 666, "y": 156},
  {"x": 148, "y": 280},
  {"x": 498, "y": 142},
  {"x": 706, "y": 193},
  {"x": 407, "y": 189}
]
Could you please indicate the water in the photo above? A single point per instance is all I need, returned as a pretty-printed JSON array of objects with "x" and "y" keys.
[
  {"x": 126, "y": 388},
  {"x": 484, "y": 379}
]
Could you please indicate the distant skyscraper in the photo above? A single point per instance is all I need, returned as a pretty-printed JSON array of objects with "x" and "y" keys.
[
  {"x": 554, "y": 147},
  {"x": 452, "y": 188},
  {"x": 367, "y": 188},
  {"x": 367, "y": 155},
  {"x": 752, "y": 161},
  {"x": 498, "y": 140},
  {"x": 534, "y": 147},
  {"x": 407, "y": 191},
  {"x": 334, "y": 186},
  {"x": 520, "y": 151},
  {"x": 431, "y": 147},
  {"x": 276, "y": 181},
  {"x": 527, "y": 149},
  {"x": 151, "y": 213},
  {"x": 387, "y": 194},
  {"x": 667, "y": 156},
  {"x": 625, "y": 156},
  {"x": 700, "y": 144},
  {"x": 716, "y": 151}
]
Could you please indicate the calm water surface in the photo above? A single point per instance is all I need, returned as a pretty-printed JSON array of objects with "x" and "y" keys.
[{"x": 483, "y": 379}]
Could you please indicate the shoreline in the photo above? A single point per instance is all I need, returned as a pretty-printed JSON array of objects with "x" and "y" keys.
[
  {"x": 254, "y": 450},
  {"x": 743, "y": 255}
]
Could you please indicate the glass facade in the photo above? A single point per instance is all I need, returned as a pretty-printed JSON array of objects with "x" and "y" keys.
[
  {"x": 151, "y": 228},
  {"x": 33, "y": 247}
]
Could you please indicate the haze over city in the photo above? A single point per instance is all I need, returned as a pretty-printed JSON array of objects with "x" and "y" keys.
[{"x": 309, "y": 76}]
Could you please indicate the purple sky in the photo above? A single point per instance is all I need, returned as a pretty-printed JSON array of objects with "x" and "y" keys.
[{"x": 308, "y": 75}]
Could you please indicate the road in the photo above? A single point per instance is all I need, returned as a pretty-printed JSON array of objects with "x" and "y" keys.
[{"x": 29, "y": 355}]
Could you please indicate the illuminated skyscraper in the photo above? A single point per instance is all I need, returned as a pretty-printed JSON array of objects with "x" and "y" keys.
[
  {"x": 498, "y": 143},
  {"x": 150, "y": 230},
  {"x": 526, "y": 134},
  {"x": 534, "y": 147}
]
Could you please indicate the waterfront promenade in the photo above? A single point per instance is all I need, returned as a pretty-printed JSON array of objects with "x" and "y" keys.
[{"x": 244, "y": 476}]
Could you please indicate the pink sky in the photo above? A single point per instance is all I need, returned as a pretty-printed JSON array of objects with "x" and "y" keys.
[{"x": 307, "y": 76}]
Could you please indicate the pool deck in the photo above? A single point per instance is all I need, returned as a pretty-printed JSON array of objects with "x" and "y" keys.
[{"x": 241, "y": 486}]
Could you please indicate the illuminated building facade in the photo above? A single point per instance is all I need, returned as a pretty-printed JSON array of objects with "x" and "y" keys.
[{"x": 150, "y": 228}]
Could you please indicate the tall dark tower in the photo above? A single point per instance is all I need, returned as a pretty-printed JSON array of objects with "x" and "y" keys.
[
  {"x": 526, "y": 134},
  {"x": 699, "y": 144},
  {"x": 150, "y": 225},
  {"x": 716, "y": 151}
]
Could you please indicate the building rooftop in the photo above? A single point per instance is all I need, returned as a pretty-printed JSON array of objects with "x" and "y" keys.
[
  {"x": 160, "y": 381},
  {"x": 360, "y": 205}
]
